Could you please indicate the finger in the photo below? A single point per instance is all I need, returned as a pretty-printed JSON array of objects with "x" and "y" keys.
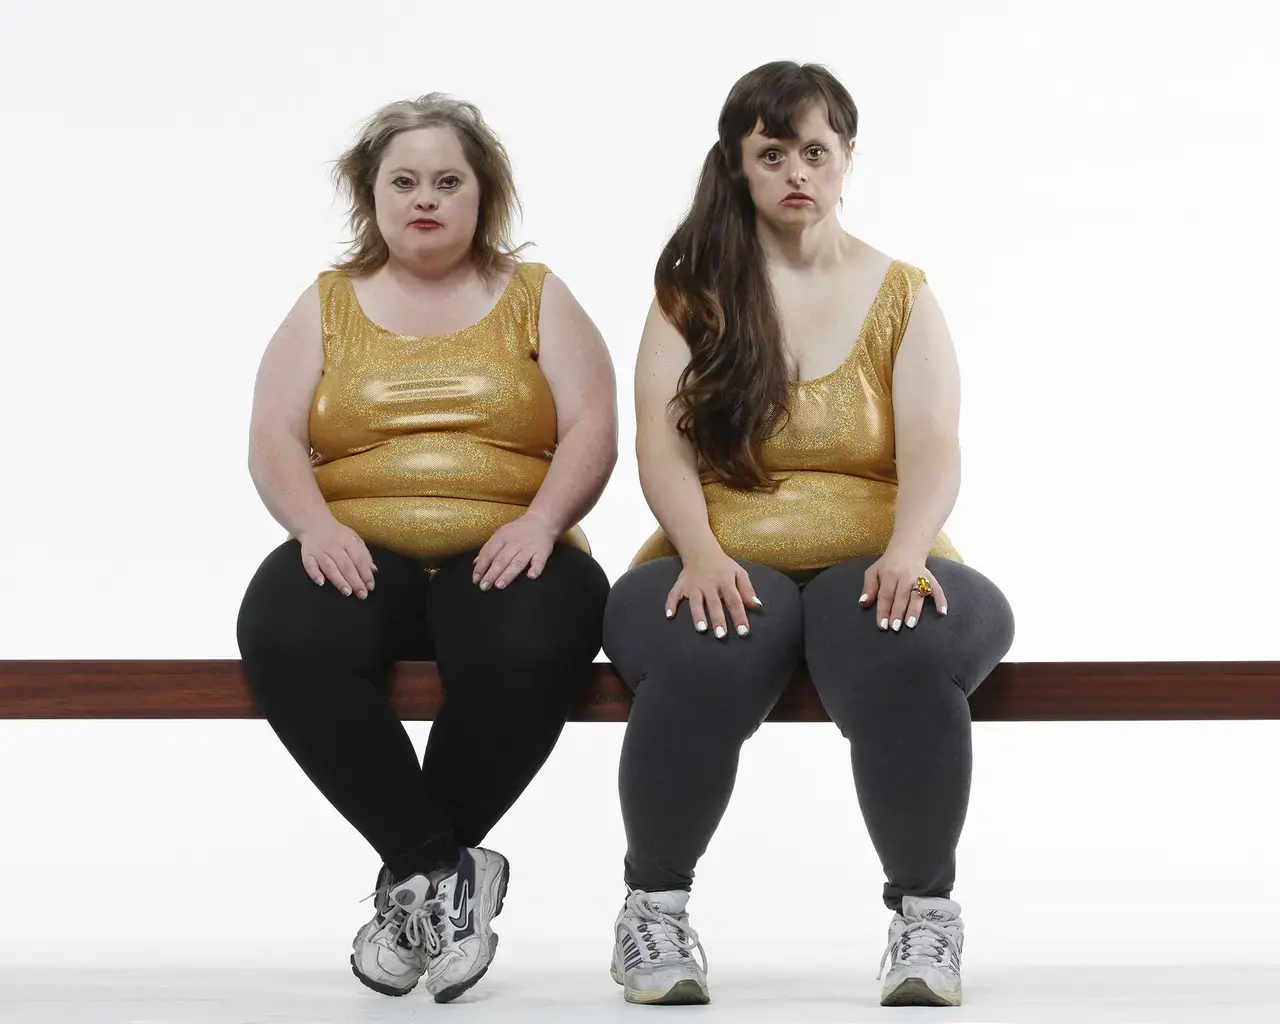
[
  {"x": 500, "y": 561},
  {"x": 514, "y": 568},
  {"x": 715, "y": 615},
  {"x": 747, "y": 590},
  {"x": 537, "y": 563},
  {"x": 898, "y": 612},
  {"x": 915, "y": 603},
  {"x": 884, "y": 601},
  {"x": 332, "y": 573},
  {"x": 939, "y": 597},
  {"x": 674, "y": 597},
  {"x": 312, "y": 568},
  {"x": 870, "y": 587},
  {"x": 484, "y": 560},
  {"x": 363, "y": 562},
  {"x": 348, "y": 569},
  {"x": 698, "y": 611},
  {"x": 737, "y": 610}
]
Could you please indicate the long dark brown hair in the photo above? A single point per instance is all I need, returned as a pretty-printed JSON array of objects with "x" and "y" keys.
[{"x": 713, "y": 286}]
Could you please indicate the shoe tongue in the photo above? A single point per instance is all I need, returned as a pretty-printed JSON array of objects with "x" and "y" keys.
[
  {"x": 412, "y": 893},
  {"x": 672, "y": 903},
  {"x": 940, "y": 911}
]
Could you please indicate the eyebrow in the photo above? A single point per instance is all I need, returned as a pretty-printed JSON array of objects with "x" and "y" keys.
[{"x": 410, "y": 170}]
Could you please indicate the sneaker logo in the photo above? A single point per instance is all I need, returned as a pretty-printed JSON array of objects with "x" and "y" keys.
[
  {"x": 463, "y": 906},
  {"x": 936, "y": 915},
  {"x": 404, "y": 897}
]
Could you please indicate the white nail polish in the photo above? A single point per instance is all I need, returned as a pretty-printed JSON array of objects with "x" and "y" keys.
[
  {"x": 911, "y": 622},
  {"x": 758, "y": 602},
  {"x": 884, "y": 623},
  {"x": 742, "y": 631},
  {"x": 670, "y": 614},
  {"x": 720, "y": 632},
  {"x": 485, "y": 585},
  {"x": 702, "y": 626},
  {"x": 862, "y": 598},
  {"x": 897, "y": 625},
  {"x": 943, "y": 611}
]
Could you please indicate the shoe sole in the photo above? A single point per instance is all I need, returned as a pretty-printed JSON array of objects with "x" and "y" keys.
[
  {"x": 914, "y": 992},
  {"x": 385, "y": 990},
  {"x": 682, "y": 993},
  {"x": 449, "y": 994}
]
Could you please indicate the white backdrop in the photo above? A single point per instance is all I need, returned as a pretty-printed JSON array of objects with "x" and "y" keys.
[{"x": 1090, "y": 187}]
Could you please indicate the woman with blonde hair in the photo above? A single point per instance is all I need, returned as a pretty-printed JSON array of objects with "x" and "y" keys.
[
  {"x": 797, "y": 407},
  {"x": 430, "y": 422}
]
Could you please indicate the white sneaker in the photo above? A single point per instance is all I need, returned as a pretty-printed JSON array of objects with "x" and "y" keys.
[
  {"x": 652, "y": 958},
  {"x": 389, "y": 954},
  {"x": 925, "y": 942},
  {"x": 469, "y": 900}
]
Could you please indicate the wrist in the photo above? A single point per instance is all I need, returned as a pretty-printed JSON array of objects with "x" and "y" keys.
[
  {"x": 553, "y": 525},
  {"x": 907, "y": 549}
]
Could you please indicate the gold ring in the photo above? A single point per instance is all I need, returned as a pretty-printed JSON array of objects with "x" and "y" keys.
[{"x": 922, "y": 586}]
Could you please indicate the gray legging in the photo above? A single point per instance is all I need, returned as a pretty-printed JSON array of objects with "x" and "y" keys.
[{"x": 901, "y": 699}]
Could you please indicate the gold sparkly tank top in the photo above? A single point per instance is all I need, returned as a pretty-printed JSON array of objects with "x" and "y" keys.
[
  {"x": 427, "y": 445},
  {"x": 834, "y": 459}
]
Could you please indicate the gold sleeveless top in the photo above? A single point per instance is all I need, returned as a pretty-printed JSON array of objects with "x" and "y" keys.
[
  {"x": 427, "y": 445},
  {"x": 834, "y": 459}
]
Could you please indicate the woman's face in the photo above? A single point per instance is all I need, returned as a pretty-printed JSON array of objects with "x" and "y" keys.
[
  {"x": 796, "y": 182},
  {"x": 426, "y": 195}
]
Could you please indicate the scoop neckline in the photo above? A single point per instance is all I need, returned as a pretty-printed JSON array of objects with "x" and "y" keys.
[
  {"x": 857, "y": 340},
  {"x": 502, "y": 298}
]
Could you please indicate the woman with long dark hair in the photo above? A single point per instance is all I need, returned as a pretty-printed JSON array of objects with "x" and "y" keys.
[{"x": 797, "y": 404}]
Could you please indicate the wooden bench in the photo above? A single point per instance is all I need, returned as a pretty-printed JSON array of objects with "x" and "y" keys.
[{"x": 1015, "y": 691}]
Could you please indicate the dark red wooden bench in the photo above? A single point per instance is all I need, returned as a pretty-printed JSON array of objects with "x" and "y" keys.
[{"x": 1015, "y": 691}]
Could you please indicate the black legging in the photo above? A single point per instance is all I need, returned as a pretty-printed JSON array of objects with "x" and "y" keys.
[{"x": 511, "y": 660}]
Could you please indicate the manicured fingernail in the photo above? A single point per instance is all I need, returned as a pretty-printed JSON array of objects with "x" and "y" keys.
[
  {"x": 943, "y": 610},
  {"x": 742, "y": 631},
  {"x": 501, "y": 584},
  {"x": 346, "y": 591},
  {"x": 884, "y": 623},
  {"x": 670, "y": 614},
  {"x": 484, "y": 585},
  {"x": 475, "y": 579},
  {"x": 862, "y": 598},
  {"x": 701, "y": 627},
  {"x": 911, "y": 622},
  {"x": 362, "y": 594},
  {"x": 897, "y": 625},
  {"x": 758, "y": 602}
]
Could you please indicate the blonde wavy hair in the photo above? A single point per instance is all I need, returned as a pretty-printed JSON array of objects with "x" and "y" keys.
[{"x": 355, "y": 171}]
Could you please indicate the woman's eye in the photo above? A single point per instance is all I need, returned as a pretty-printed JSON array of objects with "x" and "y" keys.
[
  {"x": 451, "y": 182},
  {"x": 402, "y": 182}
]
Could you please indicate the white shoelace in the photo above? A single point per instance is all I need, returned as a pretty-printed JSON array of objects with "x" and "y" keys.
[
  {"x": 673, "y": 940},
  {"x": 922, "y": 942},
  {"x": 416, "y": 926}
]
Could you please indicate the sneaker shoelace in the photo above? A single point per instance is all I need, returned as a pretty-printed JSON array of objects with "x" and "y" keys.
[
  {"x": 922, "y": 942},
  {"x": 411, "y": 928},
  {"x": 660, "y": 933}
]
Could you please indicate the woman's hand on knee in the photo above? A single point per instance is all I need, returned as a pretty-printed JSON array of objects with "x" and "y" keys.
[
  {"x": 333, "y": 552},
  {"x": 714, "y": 584},
  {"x": 888, "y": 585},
  {"x": 525, "y": 543}
]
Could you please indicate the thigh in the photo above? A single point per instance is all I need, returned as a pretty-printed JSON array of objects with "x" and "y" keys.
[
  {"x": 645, "y": 646},
  {"x": 286, "y": 614},
  {"x": 554, "y": 620},
  {"x": 842, "y": 638}
]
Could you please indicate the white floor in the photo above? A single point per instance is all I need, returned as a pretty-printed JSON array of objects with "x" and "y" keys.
[{"x": 221, "y": 986}]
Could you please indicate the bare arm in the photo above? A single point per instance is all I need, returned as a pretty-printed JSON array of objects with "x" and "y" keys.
[
  {"x": 668, "y": 462},
  {"x": 280, "y": 452},
  {"x": 279, "y": 446},
  {"x": 576, "y": 363},
  {"x": 926, "y": 416}
]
